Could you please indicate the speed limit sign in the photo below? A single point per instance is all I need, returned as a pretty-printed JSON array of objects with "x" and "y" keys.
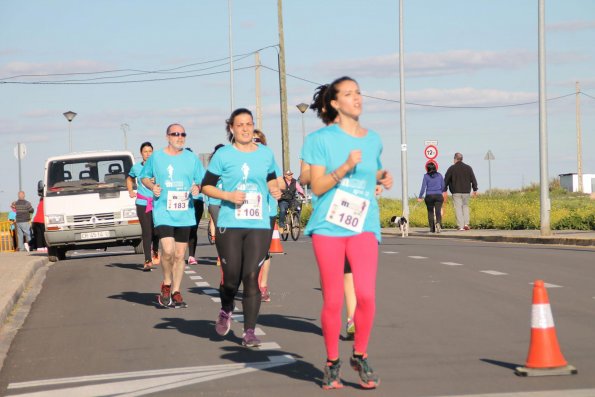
[{"x": 431, "y": 152}]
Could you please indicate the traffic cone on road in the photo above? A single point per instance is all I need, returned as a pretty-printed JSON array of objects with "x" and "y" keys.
[
  {"x": 545, "y": 357},
  {"x": 276, "y": 247}
]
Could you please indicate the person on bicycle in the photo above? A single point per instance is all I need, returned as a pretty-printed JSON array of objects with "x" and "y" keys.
[{"x": 289, "y": 194}]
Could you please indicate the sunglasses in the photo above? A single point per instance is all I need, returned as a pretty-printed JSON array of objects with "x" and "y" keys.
[
  {"x": 256, "y": 140},
  {"x": 177, "y": 134}
]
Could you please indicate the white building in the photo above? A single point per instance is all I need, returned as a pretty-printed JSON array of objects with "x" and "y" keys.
[{"x": 570, "y": 182}]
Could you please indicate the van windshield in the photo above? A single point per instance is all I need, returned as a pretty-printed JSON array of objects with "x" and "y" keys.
[{"x": 88, "y": 175}]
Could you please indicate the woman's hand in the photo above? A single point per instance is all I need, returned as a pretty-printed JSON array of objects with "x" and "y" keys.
[
  {"x": 236, "y": 197},
  {"x": 385, "y": 179}
]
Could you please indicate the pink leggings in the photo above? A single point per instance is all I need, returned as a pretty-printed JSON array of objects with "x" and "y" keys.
[{"x": 362, "y": 252}]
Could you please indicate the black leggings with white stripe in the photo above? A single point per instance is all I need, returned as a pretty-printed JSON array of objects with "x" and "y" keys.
[{"x": 242, "y": 253}]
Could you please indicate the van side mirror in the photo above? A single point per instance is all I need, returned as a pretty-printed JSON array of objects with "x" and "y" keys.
[{"x": 40, "y": 188}]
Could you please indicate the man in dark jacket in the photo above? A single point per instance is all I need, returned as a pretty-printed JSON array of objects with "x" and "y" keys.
[
  {"x": 460, "y": 180},
  {"x": 24, "y": 209}
]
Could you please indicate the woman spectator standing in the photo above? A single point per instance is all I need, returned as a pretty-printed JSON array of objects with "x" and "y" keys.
[
  {"x": 345, "y": 167},
  {"x": 144, "y": 208},
  {"x": 432, "y": 186},
  {"x": 247, "y": 173}
]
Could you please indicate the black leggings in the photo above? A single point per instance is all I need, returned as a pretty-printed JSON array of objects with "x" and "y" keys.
[
  {"x": 199, "y": 207},
  {"x": 149, "y": 234},
  {"x": 242, "y": 252},
  {"x": 434, "y": 202}
]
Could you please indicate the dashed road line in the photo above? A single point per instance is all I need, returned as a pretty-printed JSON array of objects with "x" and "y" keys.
[
  {"x": 493, "y": 272},
  {"x": 418, "y": 257},
  {"x": 451, "y": 263},
  {"x": 390, "y": 252},
  {"x": 548, "y": 285}
]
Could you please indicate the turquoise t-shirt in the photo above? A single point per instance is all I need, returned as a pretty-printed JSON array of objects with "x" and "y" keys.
[
  {"x": 176, "y": 175},
  {"x": 330, "y": 147},
  {"x": 141, "y": 189},
  {"x": 244, "y": 171}
]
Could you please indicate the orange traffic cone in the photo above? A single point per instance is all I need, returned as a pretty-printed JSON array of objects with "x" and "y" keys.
[
  {"x": 276, "y": 247},
  {"x": 545, "y": 357}
]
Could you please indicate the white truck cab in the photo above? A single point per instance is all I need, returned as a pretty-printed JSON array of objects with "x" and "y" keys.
[{"x": 86, "y": 203}]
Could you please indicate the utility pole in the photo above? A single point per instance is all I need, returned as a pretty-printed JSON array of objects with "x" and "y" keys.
[
  {"x": 258, "y": 106},
  {"x": 283, "y": 90},
  {"x": 404, "y": 182},
  {"x": 579, "y": 149},
  {"x": 230, "y": 58},
  {"x": 544, "y": 194}
]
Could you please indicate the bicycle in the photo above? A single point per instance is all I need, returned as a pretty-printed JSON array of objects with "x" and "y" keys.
[{"x": 293, "y": 224}]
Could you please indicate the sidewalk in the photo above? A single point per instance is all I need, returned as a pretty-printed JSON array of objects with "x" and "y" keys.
[
  {"x": 17, "y": 269},
  {"x": 585, "y": 238}
]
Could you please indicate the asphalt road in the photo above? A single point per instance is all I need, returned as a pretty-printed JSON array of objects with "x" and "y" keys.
[{"x": 453, "y": 318}]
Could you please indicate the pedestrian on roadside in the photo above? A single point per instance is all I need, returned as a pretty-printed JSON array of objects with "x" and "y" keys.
[
  {"x": 460, "y": 180},
  {"x": 23, "y": 210},
  {"x": 199, "y": 207},
  {"x": 263, "y": 278},
  {"x": 317, "y": 106},
  {"x": 345, "y": 168},
  {"x": 247, "y": 174},
  {"x": 432, "y": 186},
  {"x": 173, "y": 175},
  {"x": 144, "y": 208},
  {"x": 12, "y": 216},
  {"x": 38, "y": 227}
]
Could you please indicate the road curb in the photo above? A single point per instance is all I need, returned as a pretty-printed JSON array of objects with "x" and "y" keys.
[
  {"x": 14, "y": 288},
  {"x": 572, "y": 241}
]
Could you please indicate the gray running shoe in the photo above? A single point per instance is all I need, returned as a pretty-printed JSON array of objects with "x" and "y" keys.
[
  {"x": 368, "y": 379},
  {"x": 332, "y": 378}
]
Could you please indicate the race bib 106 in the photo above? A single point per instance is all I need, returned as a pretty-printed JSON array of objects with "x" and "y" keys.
[{"x": 251, "y": 208}]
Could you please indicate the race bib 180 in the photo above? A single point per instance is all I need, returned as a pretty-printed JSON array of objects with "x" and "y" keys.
[{"x": 348, "y": 211}]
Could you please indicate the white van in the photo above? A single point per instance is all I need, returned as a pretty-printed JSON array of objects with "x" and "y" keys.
[{"x": 86, "y": 203}]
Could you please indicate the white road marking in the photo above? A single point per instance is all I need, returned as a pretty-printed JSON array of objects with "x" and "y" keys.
[
  {"x": 269, "y": 346},
  {"x": 238, "y": 317},
  {"x": 189, "y": 272},
  {"x": 202, "y": 284},
  {"x": 259, "y": 332},
  {"x": 141, "y": 383},
  {"x": 493, "y": 272},
  {"x": 211, "y": 291},
  {"x": 546, "y": 393},
  {"x": 418, "y": 257},
  {"x": 195, "y": 278},
  {"x": 451, "y": 264},
  {"x": 548, "y": 285},
  {"x": 218, "y": 300},
  {"x": 390, "y": 252}
]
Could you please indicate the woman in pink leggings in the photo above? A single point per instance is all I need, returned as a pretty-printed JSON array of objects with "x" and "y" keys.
[{"x": 345, "y": 168}]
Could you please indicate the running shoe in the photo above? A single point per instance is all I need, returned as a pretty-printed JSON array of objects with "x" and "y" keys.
[
  {"x": 265, "y": 294},
  {"x": 466, "y": 227},
  {"x": 223, "y": 324},
  {"x": 178, "y": 301},
  {"x": 350, "y": 329},
  {"x": 438, "y": 228},
  {"x": 249, "y": 339},
  {"x": 165, "y": 296},
  {"x": 368, "y": 379},
  {"x": 148, "y": 266},
  {"x": 156, "y": 258},
  {"x": 332, "y": 378},
  {"x": 192, "y": 260}
]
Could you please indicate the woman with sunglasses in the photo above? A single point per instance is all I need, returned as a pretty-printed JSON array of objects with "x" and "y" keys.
[
  {"x": 247, "y": 174},
  {"x": 345, "y": 168}
]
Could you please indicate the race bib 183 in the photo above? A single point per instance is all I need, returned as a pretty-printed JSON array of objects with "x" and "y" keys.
[{"x": 177, "y": 201}]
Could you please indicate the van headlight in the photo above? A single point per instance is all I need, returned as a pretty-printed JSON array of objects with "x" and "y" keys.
[
  {"x": 54, "y": 219},
  {"x": 129, "y": 213}
]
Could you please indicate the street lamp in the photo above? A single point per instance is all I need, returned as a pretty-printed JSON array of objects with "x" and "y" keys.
[
  {"x": 70, "y": 115},
  {"x": 125, "y": 128},
  {"x": 303, "y": 107}
]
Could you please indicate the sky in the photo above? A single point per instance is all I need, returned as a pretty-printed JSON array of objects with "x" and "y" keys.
[{"x": 470, "y": 73}]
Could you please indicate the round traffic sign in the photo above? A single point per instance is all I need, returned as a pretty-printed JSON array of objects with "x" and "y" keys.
[
  {"x": 431, "y": 161},
  {"x": 431, "y": 152},
  {"x": 20, "y": 151}
]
